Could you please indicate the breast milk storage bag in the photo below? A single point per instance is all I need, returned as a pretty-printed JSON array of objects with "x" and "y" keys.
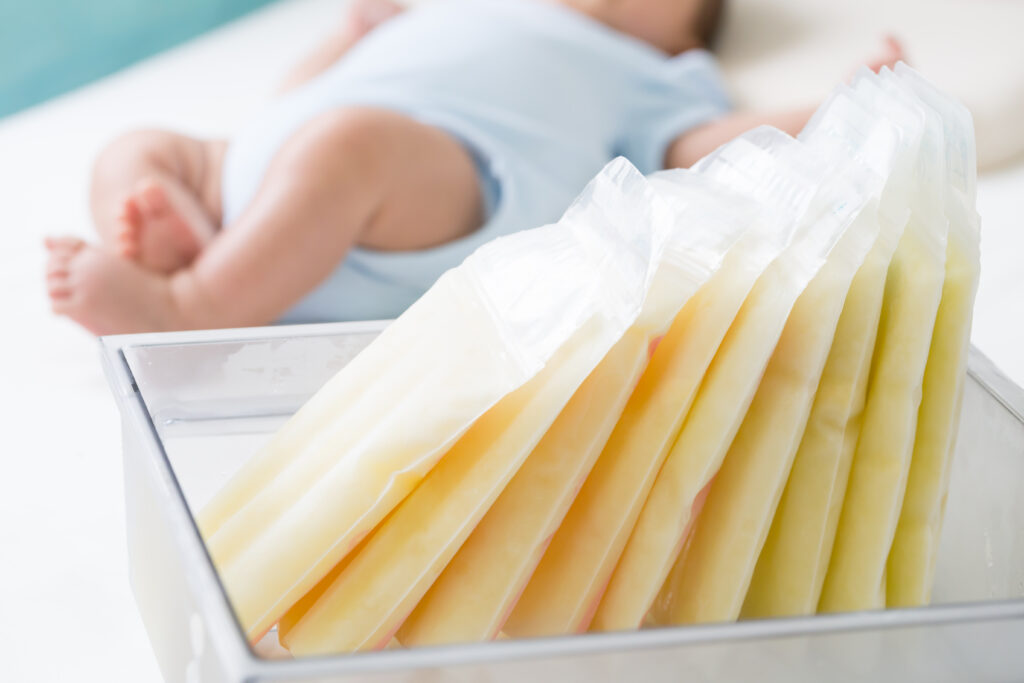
[
  {"x": 881, "y": 462},
  {"x": 911, "y": 563},
  {"x": 484, "y": 332}
]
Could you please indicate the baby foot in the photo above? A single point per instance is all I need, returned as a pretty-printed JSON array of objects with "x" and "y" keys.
[
  {"x": 162, "y": 226},
  {"x": 102, "y": 292},
  {"x": 366, "y": 15}
]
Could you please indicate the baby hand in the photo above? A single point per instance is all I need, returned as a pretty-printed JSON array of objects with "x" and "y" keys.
[{"x": 893, "y": 53}]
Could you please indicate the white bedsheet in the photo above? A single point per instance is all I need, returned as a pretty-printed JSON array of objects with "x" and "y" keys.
[{"x": 68, "y": 611}]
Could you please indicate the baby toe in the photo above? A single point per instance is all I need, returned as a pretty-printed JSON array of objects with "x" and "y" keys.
[
  {"x": 57, "y": 267},
  {"x": 59, "y": 295},
  {"x": 58, "y": 287},
  {"x": 150, "y": 197},
  {"x": 65, "y": 244},
  {"x": 130, "y": 216},
  {"x": 62, "y": 305},
  {"x": 128, "y": 242}
]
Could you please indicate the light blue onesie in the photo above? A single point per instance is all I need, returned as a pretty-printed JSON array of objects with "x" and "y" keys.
[{"x": 540, "y": 95}]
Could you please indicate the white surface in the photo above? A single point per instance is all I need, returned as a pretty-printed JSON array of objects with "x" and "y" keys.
[{"x": 68, "y": 610}]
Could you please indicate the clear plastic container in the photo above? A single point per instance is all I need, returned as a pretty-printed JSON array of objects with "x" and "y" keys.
[{"x": 195, "y": 405}]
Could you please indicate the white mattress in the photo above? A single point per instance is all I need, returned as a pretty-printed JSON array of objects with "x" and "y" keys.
[{"x": 68, "y": 609}]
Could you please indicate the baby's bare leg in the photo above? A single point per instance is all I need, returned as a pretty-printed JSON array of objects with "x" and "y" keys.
[
  {"x": 155, "y": 197},
  {"x": 350, "y": 177},
  {"x": 357, "y": 176}
]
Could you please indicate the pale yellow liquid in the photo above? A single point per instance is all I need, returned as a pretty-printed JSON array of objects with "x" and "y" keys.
[
  {"x": 791, "y": 568},
  {"x": 299, "y": 609},
  {"x": 911, "y": 565},
  {"x": 709, "y": 581},
  {"x": 324, "y": 480},
  {"x": 878, "y": 477},
  {"x": 371, "y": 596},
  {"x": 563, "y": 592},
  {"x": 474, "y": 595}
]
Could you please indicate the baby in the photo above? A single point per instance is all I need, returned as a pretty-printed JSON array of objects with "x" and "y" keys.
[{"x": 404, "y": 143}]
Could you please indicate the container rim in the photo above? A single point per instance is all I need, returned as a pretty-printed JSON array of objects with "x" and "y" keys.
[{"x": 228, "y": 634}]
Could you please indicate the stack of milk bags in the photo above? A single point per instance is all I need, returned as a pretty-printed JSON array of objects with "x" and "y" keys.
[{"x": 703, "y": 395}]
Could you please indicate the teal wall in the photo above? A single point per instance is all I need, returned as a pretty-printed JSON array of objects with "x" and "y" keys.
[{"x": 51, "y": 46}]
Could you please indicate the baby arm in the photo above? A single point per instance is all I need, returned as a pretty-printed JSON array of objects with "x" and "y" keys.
[
  {"x": 697, "y": 142},
  {"x": 362, "y": 17}
]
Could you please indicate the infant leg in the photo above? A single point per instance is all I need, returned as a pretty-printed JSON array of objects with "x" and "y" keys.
[
  {"x": 357, "y": 176},
  {"x": 155, "y": 197},
  {"x": 351, "y": 176}
]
